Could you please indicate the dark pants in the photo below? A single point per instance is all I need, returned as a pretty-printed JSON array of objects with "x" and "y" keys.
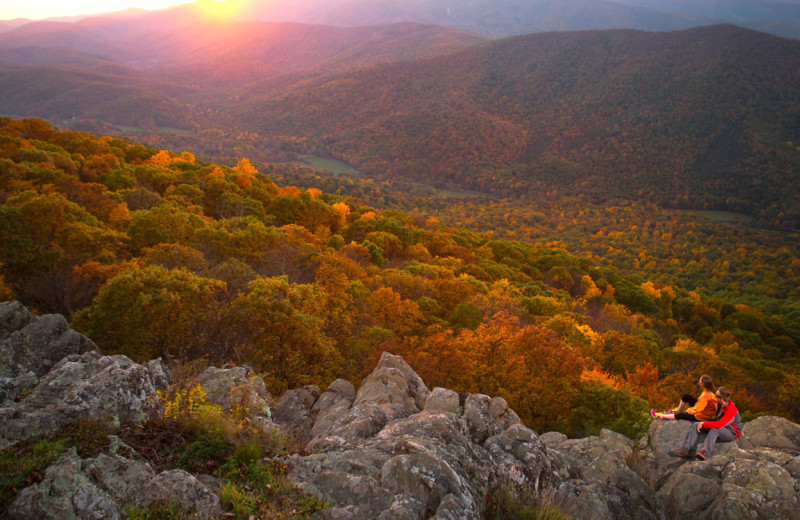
[
  {"x": 712, "y": 436},
  {"x": 691, "y": 401}
]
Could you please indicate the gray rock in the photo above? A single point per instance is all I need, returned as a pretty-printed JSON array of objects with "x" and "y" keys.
[
  {"x": 643, "y": 499},
  {"x": 392, "y": 391},
  {"x": 384, "y": 458},
  {"x": 82, "y": 387},
  {"x": 234, "y": 387},
  {"x": 416, "y": 387},
  {"x": 294, "y": 411},
  {"x": 521, "y": 458},
  {"x": 553, "y": 439},
  {"x": 103, "y": 486},
  {"x": 599, "y": 456},
  {"x": 737, "y": 484},
  {"x": 691, "y": 490},
  {"x": 12, "y": 387},
  {"x": 387, "y": 386},
  {"x": 180, "y": 487},
  {"x": 13, "y": 317},
  {"x": 756, "y": 489},
  {"x": 793, "y": 467},
  {"x": 593, "y": 500},
  {"x": 775, "y": 433},
  {"x": 332, "y": 404},
  {"x": 422, "y": 476},
  {"x": 443, "y": 400},
  {"x": 502, "y": 413},
  {"x": 159, "y": 374},
  {"x": 39, "y": 344},
  {"x": 65, "y": 493},
  {"x": 479, "y": 420}
]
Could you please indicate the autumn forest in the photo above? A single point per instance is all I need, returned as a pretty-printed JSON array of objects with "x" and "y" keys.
[
  {"x": 582, "y": 315},
  {"x": 578, "y": 206}
]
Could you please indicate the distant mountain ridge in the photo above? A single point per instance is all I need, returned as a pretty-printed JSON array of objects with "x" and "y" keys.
[
  {"x": 495, "y": 18},
  {"x": 502, "y": 18},
  {"x": 686, "y": 116},
  {"x": 60, "y": 71},
  {"x": 705, "y": 117}
]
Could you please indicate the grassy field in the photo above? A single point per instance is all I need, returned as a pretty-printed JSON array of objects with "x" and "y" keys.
[
  {"x": 138, "y": 130},
  {"x": 459, "y": 194},
  {"x": 322, "y": 163},
  {"x": 724, "y": 216}
]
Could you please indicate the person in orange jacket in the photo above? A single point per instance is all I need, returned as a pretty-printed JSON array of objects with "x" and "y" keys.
[
  {"x": 727, "y": 427},
  {"x": 702, "y": 408}
]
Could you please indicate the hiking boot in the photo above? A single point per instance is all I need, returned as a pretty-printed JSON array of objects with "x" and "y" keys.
[
  {"x": 683, "y": 453},
  {"x": 701, "y": 455}
]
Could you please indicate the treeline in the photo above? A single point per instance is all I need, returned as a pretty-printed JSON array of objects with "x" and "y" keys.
[{"x": 153, "y": 253}]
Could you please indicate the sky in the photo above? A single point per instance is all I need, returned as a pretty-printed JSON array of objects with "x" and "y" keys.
[{"x": 38, "y": 9}]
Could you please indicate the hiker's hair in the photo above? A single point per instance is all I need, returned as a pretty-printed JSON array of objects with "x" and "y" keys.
[
  {"x": 707, "y": 382},
  {"x": 724, "y": 393}
]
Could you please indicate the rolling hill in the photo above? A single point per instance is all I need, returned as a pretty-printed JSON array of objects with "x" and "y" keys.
[
  {"x": 502, "y": 18},
  {"x": 101, "y": 68},
  {"x": 703, "y": 116}
]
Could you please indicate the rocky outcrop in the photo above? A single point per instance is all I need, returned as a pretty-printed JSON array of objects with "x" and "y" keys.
[
  {"x": 89, "y": 386},
  {"x": 391, "y": 450},
  {"x": 397, "y": 450},
  {"x": 607, "y": 485},
  {"x": 101, "y": 487},
  {"x": 755, "y": 476},
  {"x": 235, "y": 387},
  {"x": 31, "y": 345}
]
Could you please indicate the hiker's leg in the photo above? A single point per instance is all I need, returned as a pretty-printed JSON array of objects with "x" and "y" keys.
[
  {"x": 717, "y": 435},
  {"x": 686, "y": 402},
  {"x": 691, "y": 438}
]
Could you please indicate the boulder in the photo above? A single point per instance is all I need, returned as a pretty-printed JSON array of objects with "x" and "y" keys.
[
  {"x": 35, "y": 344},
  {"x": 443, "y": 400},
  {"x": 84, "y": 387},
  {"x": 102, "y": 487},
  {"x": 65, "y": 493},
  {"x": 733, "y": 483},
  {"x": 294, "y": 411},
  {"x": 599, "y": 456},
  {"x": 332, "y": 404},
  {"x": 775, "y": 433},
  {"x": 392, "y": 391},
  {"x": 235, "y": 387},
  {"x": 522, "y": 459},
  {"x": 479, "y": 420},
  {"x": 31, "y": 345},
  {"x": 653, "y": 450},
  {"x": 13, "y": 317},
  {"x": 593, "y": 500}
]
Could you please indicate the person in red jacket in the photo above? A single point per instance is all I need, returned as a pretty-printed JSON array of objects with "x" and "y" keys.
[{"x": 726, "y": 427}]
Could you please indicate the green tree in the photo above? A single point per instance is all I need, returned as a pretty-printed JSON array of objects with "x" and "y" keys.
[{"x": 149, "y": 312}]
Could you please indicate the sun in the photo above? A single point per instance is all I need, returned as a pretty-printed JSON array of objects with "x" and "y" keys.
[{"x": 218, "y": 8}]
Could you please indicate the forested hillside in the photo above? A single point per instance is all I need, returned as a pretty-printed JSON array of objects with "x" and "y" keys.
[
  {"x": 703, "y": 118},
  {"x": 154, "y": 253}
]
